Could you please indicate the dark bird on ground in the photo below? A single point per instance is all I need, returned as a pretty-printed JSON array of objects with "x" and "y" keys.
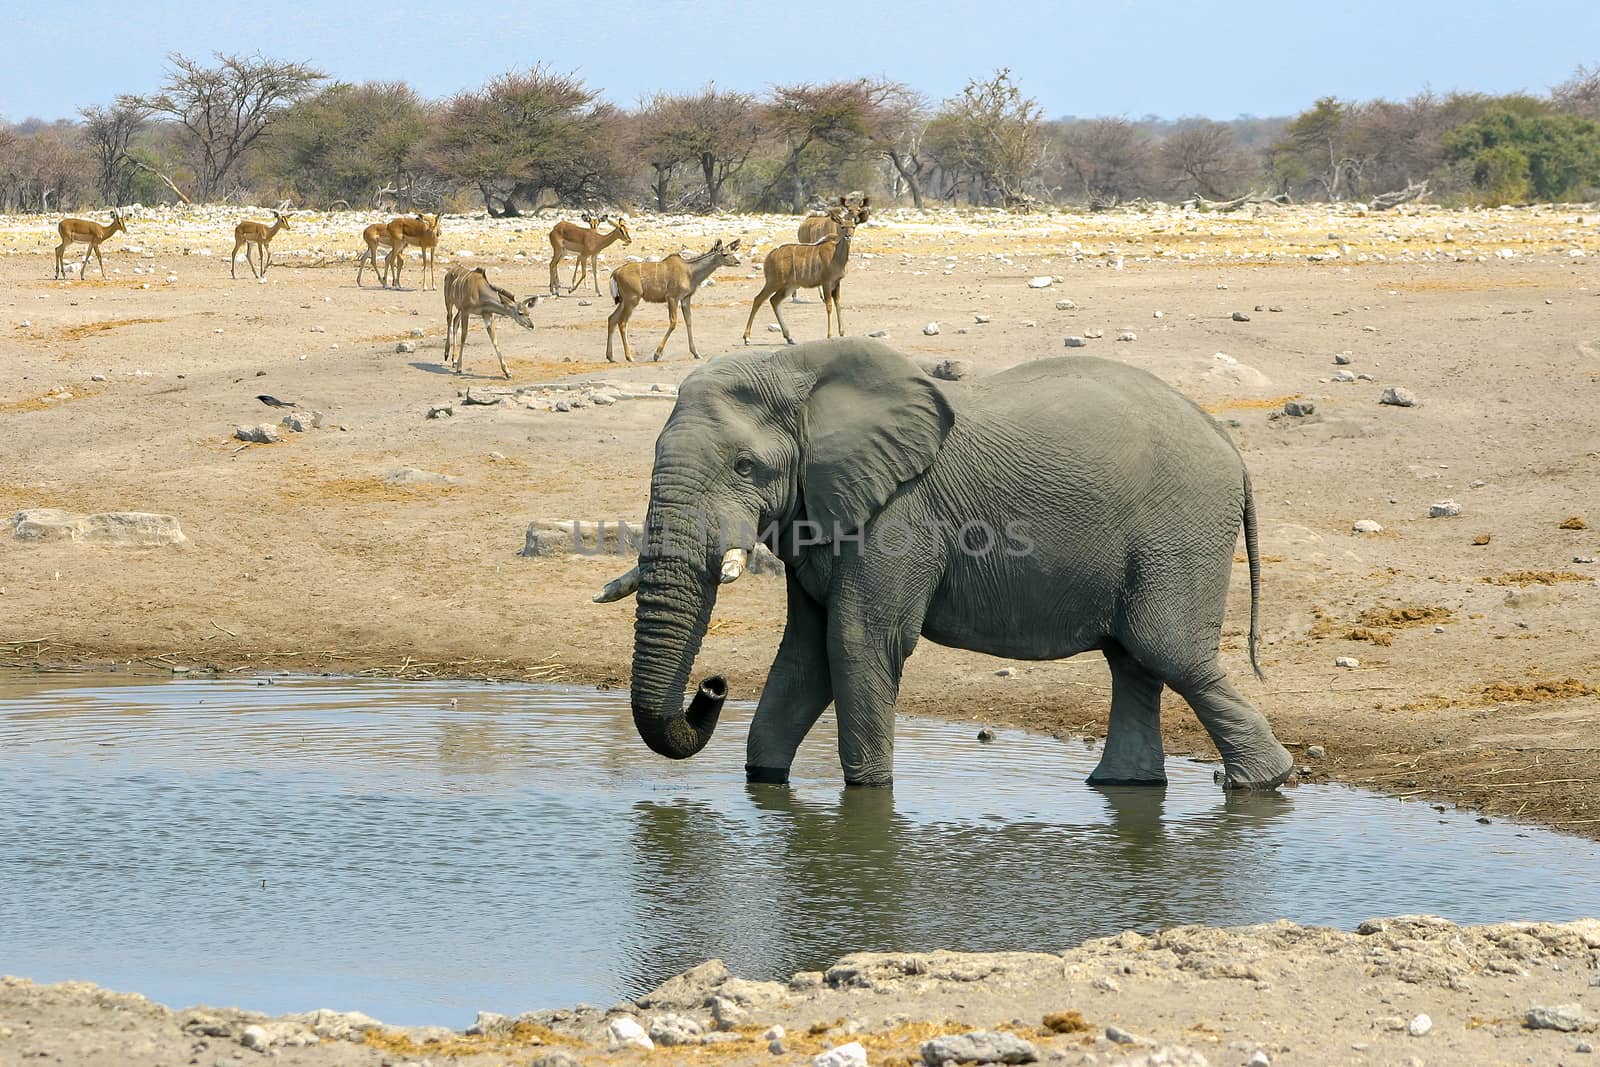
[{"x": 274, "y": 402}]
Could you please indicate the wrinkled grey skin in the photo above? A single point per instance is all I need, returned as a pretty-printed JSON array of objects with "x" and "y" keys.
[{"x": 1131, "y": 495}]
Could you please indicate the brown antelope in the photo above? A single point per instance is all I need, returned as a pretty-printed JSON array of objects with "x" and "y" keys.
[
  {"x": 257, "y": 235},
  {"x": 568, "y": 237},
  {"x": 814, "y": 228},
  {"x": 75, "y": 231},
  {"x": 467, "y": 292},
  {"x": 671, "y": 282},
  {"x": 820, "y": 264},
  {"x": 393, "y": 235},
  {"x": 425, "y": 236}
]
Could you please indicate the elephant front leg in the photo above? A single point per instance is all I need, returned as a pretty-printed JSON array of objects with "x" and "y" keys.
[
  {"x": 1133, "y": 754},
  {"x": 867, "y": 652},
  {"x": 798, "y": 688}
]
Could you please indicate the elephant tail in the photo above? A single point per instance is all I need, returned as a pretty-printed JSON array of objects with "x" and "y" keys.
[{"x": 1252, "y": 552}]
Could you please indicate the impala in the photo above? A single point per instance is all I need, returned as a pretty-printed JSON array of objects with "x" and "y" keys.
[
  {"x": 820, "y": 264},
  {"x": 394, "y": 235},
  {"x": 672, "y": 282},
  {"x": 568, "y": 237},
  {"x": 75, "y": 231},
  {"x": 257, "y": 235},
  {"x": 467, "y": 292}
]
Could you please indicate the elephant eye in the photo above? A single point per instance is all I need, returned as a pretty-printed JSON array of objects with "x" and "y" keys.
[{"x": 744, "y": 466}]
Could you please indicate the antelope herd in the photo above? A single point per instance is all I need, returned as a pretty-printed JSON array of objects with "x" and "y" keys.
[{"x": 818, "y": 260}]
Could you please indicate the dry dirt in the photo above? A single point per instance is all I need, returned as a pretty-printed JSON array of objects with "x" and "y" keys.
[
  {"x": 1407, "y": 990},
  {"x": 1475, "y": 634}
]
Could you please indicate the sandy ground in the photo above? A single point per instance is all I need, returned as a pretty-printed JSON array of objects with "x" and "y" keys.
[
  {"x": 1475, "y": 634},
  {"x": 1399, "y": 991}
]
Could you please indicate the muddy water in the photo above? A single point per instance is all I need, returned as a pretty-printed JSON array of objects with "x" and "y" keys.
[{"x": 421, "y": 851}]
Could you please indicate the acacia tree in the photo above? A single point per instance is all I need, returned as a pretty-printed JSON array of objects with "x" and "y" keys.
[
  {"x": 108, "y": 131},
  {"x": 1202, "y": 154},
  {"x": 225, "y": 109},
  {"x": 821, "y": 127},
  {"x": 1107, "y": 158},
  {"x": 1320, "y": 146},
  {"x": 713, "y": 131},
  {"x": 995, "y": 135},
  {"x": 897, "y": 125},
  {"x": 528, "y": 133},
  {"x": 353, "y": 143},
  {"x": 1580, "y": 94}
]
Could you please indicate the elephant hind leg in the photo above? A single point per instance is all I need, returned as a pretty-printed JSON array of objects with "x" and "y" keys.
[
  {"x": 1252, "y": 758},
  {"x": 1133, "y": 754}
]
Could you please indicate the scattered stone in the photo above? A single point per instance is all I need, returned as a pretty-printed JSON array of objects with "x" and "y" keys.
[
  {"x": 1583, "y": 1046},
  {"x": 1127, "y": 335},
  {"x": 880, "y": 334},
  {"x": 1118, "y": 1036},
  {"x": 774, "y": 1039},
  {"x": 671, "y": 1029},
  {"x": 980, "y": 319},
  {"x": 851, "y": 1055},
  {"x": 1159, "y": 315},
  {"x": 1442, "y": 509},
  {"x": 949, "y": 370},
  {"x": 436, "y": 411},
  {"x": 931, "y": 329},
  {"x": 979, "y": 1046},
  {"x": 1259, "y": 1058},
  {"x": 1343, "y": 358},
  {"x": 1167, "y": 1056},
  {"x": 264, "y": 434},
  {"x": 490, "y": 1022},
  {"x": 409, "y": 476},
  {"x": 127, "y": 529},
  {"x": 627, "y": 1033},
  {"x": 1366, "y": 526},
  {"x": 562, "y": 405},
  {"x": 1316, "y": 752},
  {"x": 1398, "y": 397},
  {"x": 1583, "y": 559},
  {"x": 1344, "y": 376},
  {"x": 97, "y": 377},
  {"x": 1563, "y": 1017},
  {"x": 405, "y": 348},
  {"x": 727, "y": 1013},
  {"x": 1107, "y": 984},
  {"x": 1005, "y": 672},
  {"x": 1239, "y": 316},
  {"x": 415, "y": 331},
  {"x": 985, "y": 735},
  {"x": 1076, "y": 342},
  {"x": 1066, "y": 305},
  {"x": 1028, "y": 324},
  {"x": 298, "y": 421},
  {"x": 1346, "y": 661},
  {"x": 1300, "y": 408},
  {"x": 1482, "y": 539},
  {"x": 1041, "y": 282},
  {"x": 556, "y": 1058},
  {"x": 1094, "y": 335},
  {"x": 585, "y": 302},
  {"x": 254, "y": 1038},
  {"x": 1419, "y": 1025}
]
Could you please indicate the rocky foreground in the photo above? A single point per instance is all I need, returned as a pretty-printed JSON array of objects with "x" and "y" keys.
[{"x": 1413, "y": 989}]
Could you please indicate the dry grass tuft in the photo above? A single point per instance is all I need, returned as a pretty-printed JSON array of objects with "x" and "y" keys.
[
  {"x": 89, "y": 329},
  {"x": 1535, "y": 578},
  {"x": 1574, "y": 522},
  {"x": 1399, "y": 618}
]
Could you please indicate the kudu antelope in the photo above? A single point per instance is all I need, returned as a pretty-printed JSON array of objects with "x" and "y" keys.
[
  {"x": 394, "y": 236},
  {"x": 672, "y": 282},
  {"x": 586, "y": 243},
  {"x": 814, "y": 228},
  {"x": 82, "y": 231},
  {"x": 467, "y": 292},
  {"x": 820, "y": 264},
  {"x": 257, "y": 235}
]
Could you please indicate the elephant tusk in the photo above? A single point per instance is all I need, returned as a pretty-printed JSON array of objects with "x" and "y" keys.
[
  {"x": 733, "y": 564},
  {"x": 623, "y": 586}
]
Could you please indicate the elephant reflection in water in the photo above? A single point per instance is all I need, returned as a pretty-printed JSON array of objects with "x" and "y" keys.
[{"x": 793, "y": 884}]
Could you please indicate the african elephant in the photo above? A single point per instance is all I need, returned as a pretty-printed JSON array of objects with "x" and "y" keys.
[{"x": 1060, "y": 506}]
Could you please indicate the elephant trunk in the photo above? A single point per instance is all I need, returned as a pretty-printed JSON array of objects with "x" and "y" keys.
[{"x": 676, "y": 595}]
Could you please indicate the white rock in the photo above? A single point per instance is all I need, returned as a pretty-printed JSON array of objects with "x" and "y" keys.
[
  {"x": 1346, "y": 661},
  {"x": 254, "y": 1038},
  {"x": 1118, "y": 1036},
  {"x": 1442, "y": 509},
  {"x": 1076, "y": 342},
  {"x": 980, "y": 319},
  {"x": 1563, "y": 1017},
  {"x": 625, "y": 1032},
  {"x": 405, "y": 347},
  {"x": 1260, "y": 1059},
  {"x": 1127, "y": 335},
  {"x": 1365, "y": 526},
  {"x": 851, "y": 1055},
  {"x": 1344, "y": 376},
  {"x": 1065, "y": 305},
  {"x": 1419, "y": 1026},
  {"x": 1041, "y": 282},
  {"x": 1397, "y": 397},
  {"x": 671, "y": 1029},
  {"x": 931, "y": 329},
  {"x": 264, "y": 434},
  {"x": 978, "y": 1046}
]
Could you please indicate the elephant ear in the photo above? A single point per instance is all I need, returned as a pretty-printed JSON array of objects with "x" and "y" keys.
[{"x": 871, "y": 422}]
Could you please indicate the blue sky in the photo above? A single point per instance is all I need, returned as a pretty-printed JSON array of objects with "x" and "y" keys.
[{"x": 1110, "y": 57}]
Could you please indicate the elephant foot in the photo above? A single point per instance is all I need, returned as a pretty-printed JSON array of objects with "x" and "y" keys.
[
  {"x": 869, "y": 783},
  {"x": 1268, "y": 772},
  {"x": 766, "y": 775},
  {"x": 1097, "y": 780}
]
